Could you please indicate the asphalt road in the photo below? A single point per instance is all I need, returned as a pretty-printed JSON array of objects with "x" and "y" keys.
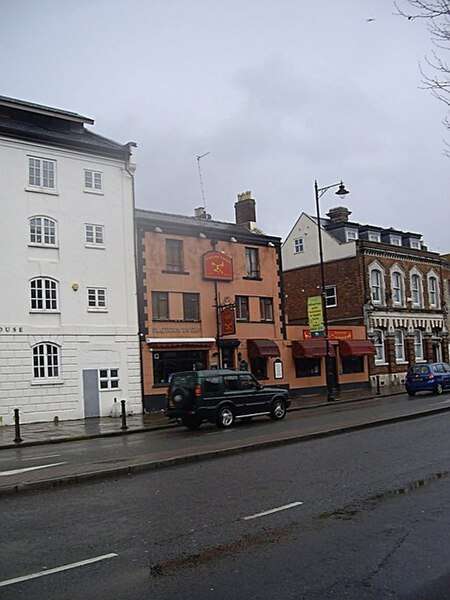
[
  {"x": 71, "y": 461},
  {"x": 362, "y": 515}
]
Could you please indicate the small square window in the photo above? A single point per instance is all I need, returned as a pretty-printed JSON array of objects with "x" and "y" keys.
[
  {"x": 94, "y": 235},
  {"x": 93, "y": 180},
  {"x": 108, "y": 379},
  {"x": 298, "y": 245},
  {"x": 96, "y": 299}
]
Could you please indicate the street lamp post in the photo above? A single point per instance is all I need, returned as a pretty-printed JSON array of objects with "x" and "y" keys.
[{"x": 319, "y": 192}]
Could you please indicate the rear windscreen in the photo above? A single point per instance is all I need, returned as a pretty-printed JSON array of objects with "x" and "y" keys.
[
  {"x": 419, "y": 370},
  {"x": 182, "y": 380}
]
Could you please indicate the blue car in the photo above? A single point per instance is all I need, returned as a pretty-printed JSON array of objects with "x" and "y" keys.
[{"x": 431, "y": 377}]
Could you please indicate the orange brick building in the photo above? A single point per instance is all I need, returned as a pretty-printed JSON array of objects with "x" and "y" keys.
[{"x": 209, "y": 296}]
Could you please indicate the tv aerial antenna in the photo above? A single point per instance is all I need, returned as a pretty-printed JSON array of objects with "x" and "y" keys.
[{"x": 200, "y": 176}]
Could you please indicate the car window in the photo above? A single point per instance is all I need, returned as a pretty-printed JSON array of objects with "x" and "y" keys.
[
  {"x": 182, "y": 380},
  {"x": 211, "y": 386},
  {"x": 422, "y": 370},
  {"x": 247, "y": 382},
  {"x": 438, "y": 368},
  {"x": 446, "y": 368},
  {"x": 231, "y": 383}
]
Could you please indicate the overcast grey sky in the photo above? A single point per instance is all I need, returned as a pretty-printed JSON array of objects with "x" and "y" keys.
[{"x": 279, "y": 92}]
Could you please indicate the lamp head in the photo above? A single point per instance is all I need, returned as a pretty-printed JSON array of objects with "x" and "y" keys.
[{"x": 342, "y": 192}]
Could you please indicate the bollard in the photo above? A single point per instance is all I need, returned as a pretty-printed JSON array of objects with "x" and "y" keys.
[
  {"x": 378, "y": 385},
  {"x": 124, "y": 415},
  {"x": 17, "y": 439}
]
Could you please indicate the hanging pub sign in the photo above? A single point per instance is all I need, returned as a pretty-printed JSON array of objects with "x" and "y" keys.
[
  {"x": 227, "y": 320},
  {"x": 217, "y": 265}
]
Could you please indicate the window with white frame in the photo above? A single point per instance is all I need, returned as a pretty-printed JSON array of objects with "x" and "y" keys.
[
  {"x": 46, "y": 361},
  {"x": 298, "y": 245},
  {"x": 376, "y": 286},
  {"x": 41, "y": 173},
  {"x": 378, "y": 342},
  {"x": 397, "y": 288},
  {"x": 351, "y": 234},
  {"x": 396, "y": 240},
  {"x": 416, "y": 290},
  {"x": 44, "y": 294},
  {"x": 96, "y": 298},
  {"x": 108, "y": 379},
  {"x": 94, "y": 235},
  {"x": 433, "y": 291},
  {"x": 93, "y": 180},
  {"x": 374, "y": 237},
  {"x": 330, "y": 296},
  {"x": 418, "y": 344},
  {"x": 399, "y": 345},
  {"x": 43, "y": 231},
  {"x": 414, "y": 244}
]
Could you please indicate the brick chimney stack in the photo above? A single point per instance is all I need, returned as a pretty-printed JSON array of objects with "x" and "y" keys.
[
  {"x": 340, "y": 214},
  {"x": 245, "y": 210}
]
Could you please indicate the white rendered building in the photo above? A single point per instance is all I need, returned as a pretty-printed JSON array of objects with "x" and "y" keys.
[{"x": 68, "y": 313}]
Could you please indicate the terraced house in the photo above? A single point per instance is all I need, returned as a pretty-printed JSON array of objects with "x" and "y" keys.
[{"x": 68, "y": 318}]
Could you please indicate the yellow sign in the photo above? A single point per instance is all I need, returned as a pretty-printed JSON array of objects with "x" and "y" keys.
[{"x": 315, "y": 316}]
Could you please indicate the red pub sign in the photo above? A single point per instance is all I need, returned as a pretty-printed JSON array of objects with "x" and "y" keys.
[
  {"x": 333, "y": 334},
  {"x": 227, "y": 321},
  {"x": 217, "y": 265}
]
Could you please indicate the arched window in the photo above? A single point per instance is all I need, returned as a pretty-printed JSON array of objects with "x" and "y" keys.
[
  {"x": 433, "y": 291},
  {"x": 399, "y": 345},
  {"x": 378, "y": 341},
  {"x": 418, "y": 345},
  {"x": 397, "y": 287},
  {"x": 43, "y": 231},
  {"x": 377, "y": 286},
  {"x": 44, "y": 294},
  {"x": 46, "y": 361},
  {"x": 416, "y": 290}
]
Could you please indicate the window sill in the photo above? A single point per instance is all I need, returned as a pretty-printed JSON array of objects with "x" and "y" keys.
[
  {"x": 53, "y": 246},
  {"x": 97, "y": 310},
  {"x": 96, "y": 192},
  {"x": 381, "y": 364},
  {"x": 44, "y": 381},
  {"x": 248, "y": 278},
  {"x": 95, "y": 246},
  {"x": 39, "y": 190},
  {"x": 166, "y": 272},
  {"x": 42, "y": 311}
]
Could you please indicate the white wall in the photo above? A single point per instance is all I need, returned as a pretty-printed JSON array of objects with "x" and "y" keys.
[
  {"x": 115, "y": 332},
  {"x": 306, "y": 228}
]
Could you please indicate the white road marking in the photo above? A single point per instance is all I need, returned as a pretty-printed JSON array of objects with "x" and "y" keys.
[
  {"x": 17, "y": 471},
  {"x": 81, "y": 563},
  {"x": 273, "y": 510}
]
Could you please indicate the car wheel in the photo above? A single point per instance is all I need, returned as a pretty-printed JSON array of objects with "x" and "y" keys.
[
  {"x": 278, "y": 410},
  {"x": 191, "y": 421},
  {"x": 411, "y": 392},
  {"x": 225, "y": 417},
  {"x": 438, "y": 389}
]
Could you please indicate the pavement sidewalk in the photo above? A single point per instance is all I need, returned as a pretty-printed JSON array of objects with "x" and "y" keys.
[{"x": 46, "y": 433}]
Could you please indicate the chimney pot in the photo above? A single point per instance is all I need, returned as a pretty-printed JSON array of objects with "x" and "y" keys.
[{"x": 339, "y": 214}]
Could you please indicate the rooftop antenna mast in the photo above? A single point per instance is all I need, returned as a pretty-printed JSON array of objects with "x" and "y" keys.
[{"x": 200, "y": 175}]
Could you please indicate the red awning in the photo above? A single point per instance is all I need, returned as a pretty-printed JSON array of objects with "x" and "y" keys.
[
  {"x": 311, "y": 348},
  {"x": 356, "y": 347},
  {"x": 262, "y": 348}
]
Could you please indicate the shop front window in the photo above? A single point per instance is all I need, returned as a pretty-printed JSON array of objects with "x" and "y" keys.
[
  {"x": 352, "y": 364},
  {"x": 258, "y": 367},
  {"x": 168, "y": 362},
  {"x": 307, "y": 367}
]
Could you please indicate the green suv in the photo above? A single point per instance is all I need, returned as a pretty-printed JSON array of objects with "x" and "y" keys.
[{"x": 221, "y": 396}]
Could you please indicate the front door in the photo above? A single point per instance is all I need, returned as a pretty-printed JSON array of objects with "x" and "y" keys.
[
  {"x": 91, "y": 394},
  {"x": 227, "y": 358}
]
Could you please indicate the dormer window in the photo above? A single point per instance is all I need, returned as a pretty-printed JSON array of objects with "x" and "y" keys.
[
  {"x": 374, "y": 237},
  {"x": 395, "y": 240},
  {"x": 414, "y": 244},
  {"x": 351, "y": 235}
]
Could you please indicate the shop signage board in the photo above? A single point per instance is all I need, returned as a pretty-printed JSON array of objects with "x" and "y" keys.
[
  {"x": 315, "y": 316},
  {"x": 217, "y": 266}
]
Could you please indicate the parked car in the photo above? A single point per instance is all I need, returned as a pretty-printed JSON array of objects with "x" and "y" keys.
[
  {"x": 220, "y": 396},
  {"x": 432, "y": 377}
]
